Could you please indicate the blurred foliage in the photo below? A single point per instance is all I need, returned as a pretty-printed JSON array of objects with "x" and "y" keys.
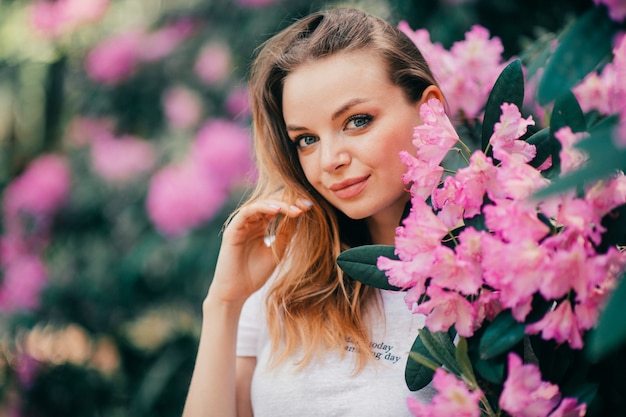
[{"x": 130, "y": 295}]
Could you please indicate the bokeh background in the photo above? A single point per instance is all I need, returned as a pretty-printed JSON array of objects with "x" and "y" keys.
[{"x": 124, "y": 145}]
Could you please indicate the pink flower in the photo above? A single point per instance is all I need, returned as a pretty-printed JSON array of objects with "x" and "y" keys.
[
  {"x": 183, "y": 107},
  {"x": 516, "y": 180},
  {"x": 23, "y": 280},
  {"x": 514, "y": 220},
  {"x": 421, "y": 231},
  {"x": 467, "y": 72},
  {"x": 41, "y": 189},
  {"x": 238, "y": 102},
  {"x": 116, "y": 58},
  {"x": 447, "y": 198},
  {"x": 63, "y": 16},
  {"x": 455, "y": 272},
  {"x": 559, "y": 324},
  {"x": 213, "y": 65},
  {"x": 121, "y": 159},
  {"x": 182, "y": 197},
  {"x": 511, "y": 268},
  {"x": 508, "y": 130},
  {"x": 446, "y": 308},
  {"x": 454, "y": 398},
  {"x": 436, "y": 135},
  {"x": 422, "y": 176},
  {"x": 475, "y": 180},
  {"x": 525, "y": 394},
  {"x": 223, "y": 149},
  {"x": 617, "y": 8},
  {"x": 571, "y": 157},
  {"x": 160, "y": 43},
  {"x": 83, "y": 130}
]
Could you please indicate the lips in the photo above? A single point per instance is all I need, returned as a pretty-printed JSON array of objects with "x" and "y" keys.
[{"x": 350, "y": 187}]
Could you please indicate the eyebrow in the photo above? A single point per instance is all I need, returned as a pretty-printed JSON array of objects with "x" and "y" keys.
[{"x": 341, "y": 110}]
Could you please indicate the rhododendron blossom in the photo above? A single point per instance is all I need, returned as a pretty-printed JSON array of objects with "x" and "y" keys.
[
  {"x": 121, "y": 159},
  {"x": 453, "y": 399},
  {"x": 213, "y": 63},
  {"x": 56, "y": 18},
  {"x": 182, "y": 107},
  {"x": 522, "y": 252},
  {"x": 526, "y": 395},
  {"x": 23, "y": 280},
  {"x": 467, "y": 72}
]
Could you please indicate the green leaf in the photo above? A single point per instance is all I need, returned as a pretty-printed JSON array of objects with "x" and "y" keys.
[
  {"x": 463, "y": 359},
  {"x": 543, "y": 142},
  {"x": 509, "y": 88},
  {"x": 419, "y": 367},
  {"x": 440, "y": 346},
  {"x": 611, "y": 332},
  {"x": 581, "y": 49},
  {"x": 566, "y": 112},
  {"x": 491, "y": 370},
  {"x": 501, "y": 335},
  {"x": 360, "y": 264}
]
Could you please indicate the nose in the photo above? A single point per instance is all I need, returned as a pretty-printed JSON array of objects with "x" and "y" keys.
[{"x": 335, "y": 154}]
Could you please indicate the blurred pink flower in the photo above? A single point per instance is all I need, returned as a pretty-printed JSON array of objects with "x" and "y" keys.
[
  {"x": 121, "y": 159},
  {"x": 160, "y": 43},
  {"x": 116, "y": 58},
  {"x": 182, "y": 107},
  {"x": 224, "y": 150},
  {"x": 41, "y": 189},
  {"x": 238, "y": 102},
  {"x": 467, "y": 72},
  {"x": 446, "y": 308},
  {"x": 84, "y": 130},
  {"x": 23, "y": 280},
  {"x": 560, "y": 325},
  {"x": 213, "y": 64},
  {"x": 436, "y": 135},
  {"x": 181, "y": 197},
  {"x": 453, "y": 399},
  {"x": 617, "y": 8},
  {"x": 55, "y": 18}
]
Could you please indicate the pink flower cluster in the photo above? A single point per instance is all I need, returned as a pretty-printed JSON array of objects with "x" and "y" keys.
[
  {"x": 55, "y": 18},
  {"x": 518, "y": 254},
  {"x": 185, "y": 195},
  {"x": 28, "y": 203},
  {"x": 524, "y": 395},
  {"x": 118, "y": 57},
  {"x": 606, "y": 91},
  {"x": 214, "y": 63},
  {"x": 467, "y": 72}
]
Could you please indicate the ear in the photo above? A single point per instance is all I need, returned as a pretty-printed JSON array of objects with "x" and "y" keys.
[{"x": 432, "y": 91}]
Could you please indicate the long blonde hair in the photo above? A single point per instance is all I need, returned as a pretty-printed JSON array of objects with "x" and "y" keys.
[{"x": 312, "y": 306}]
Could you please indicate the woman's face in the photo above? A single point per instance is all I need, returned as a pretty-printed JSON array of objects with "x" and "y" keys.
[{"x": 349, "y": 122}]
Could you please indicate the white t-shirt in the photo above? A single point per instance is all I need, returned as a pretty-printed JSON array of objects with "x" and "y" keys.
[{"x": 327, "y": 387}]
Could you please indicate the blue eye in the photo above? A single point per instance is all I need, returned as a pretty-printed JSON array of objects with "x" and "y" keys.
[
  {"x": 358, "y": 121},
  {"x": 304, "y": 141}
]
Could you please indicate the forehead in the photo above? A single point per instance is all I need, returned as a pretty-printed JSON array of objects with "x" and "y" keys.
[{"x": 334, "y": 79}]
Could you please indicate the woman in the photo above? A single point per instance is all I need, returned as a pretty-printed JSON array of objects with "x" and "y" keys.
[{"x": 335, "y": 99}]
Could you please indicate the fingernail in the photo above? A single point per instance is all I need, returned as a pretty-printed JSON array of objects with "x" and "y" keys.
[
  {"x": 294, "y": 208},
  {"x": 308, "y": 203},
  {"x": 274, "y": 206}
]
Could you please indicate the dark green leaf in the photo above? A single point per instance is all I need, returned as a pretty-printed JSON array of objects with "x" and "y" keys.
[
  {"x": 611, "y": 332},
  {"x": 615, "y": 225},
  {"x": 491, "y": 370},
  {"x": 581, "y": 49},
  {"x": 440, "y": 346},
  {"x": 416, "y": 375},
  {"x": 566, "y": 112},
  {"x": 360, "y": 264},
  {"x": 509, "y": 88},
  {"x": 543, "y": 144},
  {"x": 501, "y": 335}
]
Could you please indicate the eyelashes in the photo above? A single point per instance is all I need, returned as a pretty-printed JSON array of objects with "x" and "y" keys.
[{"x": 353, "y": 123}]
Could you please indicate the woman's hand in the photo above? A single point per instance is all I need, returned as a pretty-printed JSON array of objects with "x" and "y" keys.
[{"x": 245, "y": 262}]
